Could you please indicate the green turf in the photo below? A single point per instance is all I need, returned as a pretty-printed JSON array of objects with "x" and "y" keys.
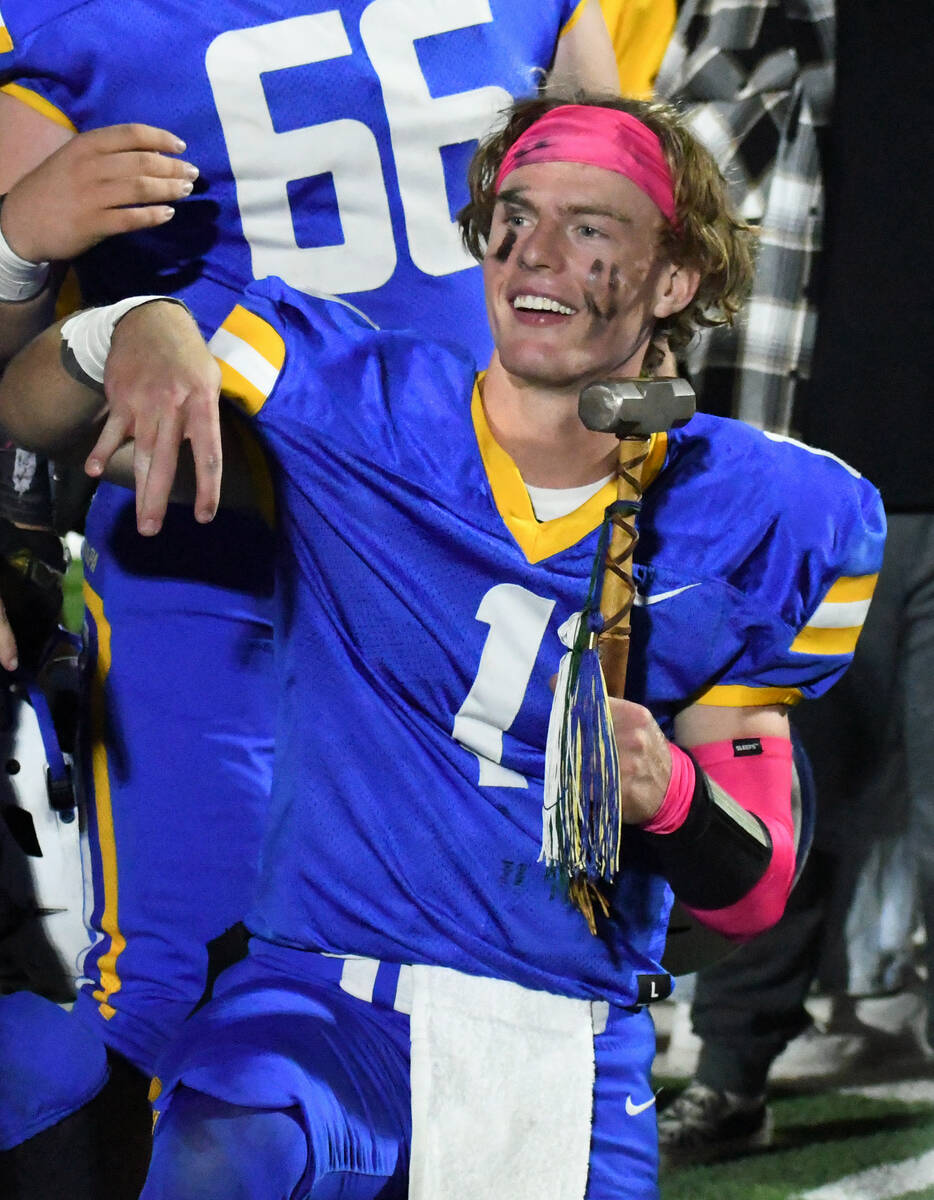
[
  {"x": 73, "y": 604},
  {"x": 819, "y": 1138}
]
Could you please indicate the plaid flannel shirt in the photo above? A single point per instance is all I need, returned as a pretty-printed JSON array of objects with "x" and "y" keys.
[{"x": 755, "y": 80}]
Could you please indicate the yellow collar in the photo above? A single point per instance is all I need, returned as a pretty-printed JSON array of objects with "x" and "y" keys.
[{"x": 540, "y": 539}]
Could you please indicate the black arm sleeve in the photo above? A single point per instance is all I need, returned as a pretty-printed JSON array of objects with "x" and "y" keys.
[{"x": 717, "y": 855}]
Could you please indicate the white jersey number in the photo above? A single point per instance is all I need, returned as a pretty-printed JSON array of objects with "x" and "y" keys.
[
  {"x": 517, "y": 619},
  {"x": 265, "y": 161}
]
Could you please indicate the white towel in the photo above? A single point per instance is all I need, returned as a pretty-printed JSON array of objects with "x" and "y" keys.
[{"x": 502, "y": 1090}]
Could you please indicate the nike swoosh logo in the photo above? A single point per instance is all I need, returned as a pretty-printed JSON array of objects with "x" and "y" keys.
[
  {"x": 633, "y": 1110},
  {"x": 657, "y": 597}
]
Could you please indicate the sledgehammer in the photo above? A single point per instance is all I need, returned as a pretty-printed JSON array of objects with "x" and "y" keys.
[{"x": 633, "y": 409}]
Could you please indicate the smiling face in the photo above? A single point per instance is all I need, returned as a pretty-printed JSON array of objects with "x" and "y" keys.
[{"x": 574, "y": 274}]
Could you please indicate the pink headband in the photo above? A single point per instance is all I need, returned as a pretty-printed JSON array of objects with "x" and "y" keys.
[{"x": 601, "y": 137}]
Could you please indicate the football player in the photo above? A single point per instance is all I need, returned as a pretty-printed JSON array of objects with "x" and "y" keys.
[
  {"x": 414, "y": 950},
  {"x": 330, "y": 141}
]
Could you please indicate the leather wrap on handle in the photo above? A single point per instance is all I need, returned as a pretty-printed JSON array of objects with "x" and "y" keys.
[{"x": 619, "y": 590}]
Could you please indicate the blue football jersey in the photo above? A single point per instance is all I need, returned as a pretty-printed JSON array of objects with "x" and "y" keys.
[
  {"x": 333, "y": 139},
  {"x": 419, "y": 608}
]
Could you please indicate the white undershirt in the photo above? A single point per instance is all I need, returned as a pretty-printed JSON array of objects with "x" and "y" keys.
[{"x": 550, "y": 503}]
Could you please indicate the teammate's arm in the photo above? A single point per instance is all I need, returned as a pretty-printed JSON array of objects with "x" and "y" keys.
[
  {"x": 26, "y": 138},
  {"x": 62, "y": 194},
  {"x": 159, "y": 389},
  {"x": 112, "y": 180},
  {"x": 718, "y": 819},
  {"x": 584, "y": 56},
  {"x": 65, "y": 193}
]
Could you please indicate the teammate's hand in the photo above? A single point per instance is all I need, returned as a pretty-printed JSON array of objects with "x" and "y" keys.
[
  {"x": 103, "y": 182},
  {"x": 163, "y": 388},
  {"x": 644, "y": 761}
]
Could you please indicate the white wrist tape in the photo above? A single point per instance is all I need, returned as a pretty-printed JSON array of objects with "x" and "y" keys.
[
  {"x": 86, "y": 337},
  {"x": 19, "y": 278}
]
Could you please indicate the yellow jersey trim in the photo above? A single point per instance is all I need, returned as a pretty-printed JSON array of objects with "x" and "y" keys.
[
  {"x": 835, "y": 625},
  {"x": 251, "y": 353},
  {"x": 239, "y": 389},
  {"x": 735, "y": 695},
  {"x": 851, "y": 587},
  {"x": 537, "y": 539},
  {"x": 155, "y": 1091},
  {"x": 6, "y": 42},
  {"x": 42, "y": 106},
  {"x": 541, "y": 539},
  {"x": 107, "y": 963},
  {"x": 573, "y": 18},
  {"x": 814, "y": 640},
  {"x": 257, "y": 333}
]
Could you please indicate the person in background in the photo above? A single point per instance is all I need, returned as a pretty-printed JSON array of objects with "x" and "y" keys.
[
  {"x": 640, "y": 31},
  {"x": 757, "y": 83}
]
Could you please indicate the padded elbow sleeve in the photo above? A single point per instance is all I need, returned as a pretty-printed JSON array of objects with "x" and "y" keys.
[
  {"x": 757, "y": 773},
  {"x": 719, "y": 852}
]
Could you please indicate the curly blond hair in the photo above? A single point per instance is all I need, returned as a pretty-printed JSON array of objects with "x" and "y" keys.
[{"x": 711, "y": 238}]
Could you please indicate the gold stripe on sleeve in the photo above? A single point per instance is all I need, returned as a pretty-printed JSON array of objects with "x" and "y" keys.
[
  {"x": 257, "y": 333},
  {"x": 735, "y": 695},
  {"x": 851, "y": 587},
  {"x": 42, "y": 106},
  {"x": 814, "y": 640},
  {"x": 6, "y": 42},
  {"x": 834, "y": 626},
  {"x": 250, "y": 353},
  {"x": 240, "y": 390},
  {"x": 155, "y": 1091}
]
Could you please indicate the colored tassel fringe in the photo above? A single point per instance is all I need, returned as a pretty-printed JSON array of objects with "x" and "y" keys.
[{"x": 582, "y": 815}]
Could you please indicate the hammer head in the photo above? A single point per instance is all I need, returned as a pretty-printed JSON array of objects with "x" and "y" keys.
[{"x": 636, "y": 408}]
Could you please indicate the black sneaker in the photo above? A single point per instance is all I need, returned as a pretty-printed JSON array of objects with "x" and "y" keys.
[{"x": 703, "y": 1125}]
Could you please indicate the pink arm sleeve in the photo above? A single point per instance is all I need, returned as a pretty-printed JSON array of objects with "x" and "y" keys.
[{"x": 760, "y": 783}]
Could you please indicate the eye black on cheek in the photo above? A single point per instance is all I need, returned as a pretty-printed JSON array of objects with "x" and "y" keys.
[
  {"x": 597, "y": 314},
  {"x": 613, "y": 281},
  {"x": 591, "y": 305},
  {"x": 505, "y": 246},
  {"x": 595, "y": 268}
]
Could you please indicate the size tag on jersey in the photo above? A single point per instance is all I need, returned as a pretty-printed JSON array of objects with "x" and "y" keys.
[{"x": 653, "y": 987}]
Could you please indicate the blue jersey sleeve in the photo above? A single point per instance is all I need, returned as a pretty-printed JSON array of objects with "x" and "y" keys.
[
  {"x": 314, "y": 369},
  {"x": 35, "y": 47},
  {"x": 807, "y": 582},
  {"x": 276, "y": 339}
]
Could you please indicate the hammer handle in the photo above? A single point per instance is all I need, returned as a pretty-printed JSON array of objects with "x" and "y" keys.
[{"x": 619, "y": 590}]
